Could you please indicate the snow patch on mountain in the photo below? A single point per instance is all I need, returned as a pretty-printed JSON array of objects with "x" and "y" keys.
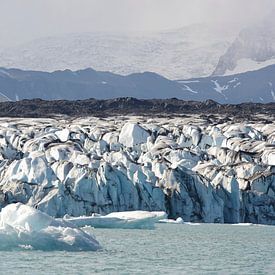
[
  {"x": 220, "y": 89},
  {"x": 188, "y": 89},
  {"x": 4, "y": 98},
  {"x": 246, "y": 65}
]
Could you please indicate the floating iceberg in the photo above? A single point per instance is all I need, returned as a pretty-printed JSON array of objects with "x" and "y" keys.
[
  {"x": 244, "y": 224},
  {"x": 22, "y": 226},
  {"x": 125, "y": 220},
  {"x": 177, "y": 221}
]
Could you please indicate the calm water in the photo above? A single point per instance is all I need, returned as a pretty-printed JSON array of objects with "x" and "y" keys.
[{"x": 170, "y": 249}]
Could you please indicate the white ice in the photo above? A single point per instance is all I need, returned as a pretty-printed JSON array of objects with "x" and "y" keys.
[
  {"x": 23, "y": 227},
  {"x": 243, "y": 224},
  {"x": 125, "y": 220},
  {"x": 132, "y": 134},
  {"x": 132, "y": 163},
  {"x": 179, "y": 220}
]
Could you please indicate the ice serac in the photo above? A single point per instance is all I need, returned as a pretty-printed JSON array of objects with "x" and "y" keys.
[
  {"x": 199, "y": 169},
  {"x": 22, "y": 226},
  {"x": 132, "y": 134}
]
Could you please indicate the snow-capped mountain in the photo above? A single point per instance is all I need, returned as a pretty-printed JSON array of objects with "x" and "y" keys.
[
  {"x": 254, "y": 48},
  {"x": 256, "y": 86},
  {"x": 191, "y": 51}
]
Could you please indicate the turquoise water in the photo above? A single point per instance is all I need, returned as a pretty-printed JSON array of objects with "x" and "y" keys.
[{"x": 169, "y": 249}]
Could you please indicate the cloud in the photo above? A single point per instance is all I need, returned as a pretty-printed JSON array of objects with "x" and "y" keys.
[{"x": 23, "y": 20}]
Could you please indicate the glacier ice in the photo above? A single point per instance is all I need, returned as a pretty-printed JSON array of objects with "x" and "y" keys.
[
  {"x": 132, "y": 134},
  {"x": 199, "y": 169},
  {"x": 179, "y": 220},
  {"x": 22, "y": 226},
  {"x": 125, "y": 220}
]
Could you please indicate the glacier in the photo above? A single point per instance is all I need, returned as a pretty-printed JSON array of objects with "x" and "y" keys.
[{"x": 199, "y": 168}]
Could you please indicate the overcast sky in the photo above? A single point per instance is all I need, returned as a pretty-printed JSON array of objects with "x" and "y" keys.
[{"x": 22, "y": 20}]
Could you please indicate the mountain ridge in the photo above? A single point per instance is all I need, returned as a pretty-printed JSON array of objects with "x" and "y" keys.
[
  {"x": 252, "y": 49},
  {"x": 132, "y": 106},
  {"x": 255, "y": 86}
]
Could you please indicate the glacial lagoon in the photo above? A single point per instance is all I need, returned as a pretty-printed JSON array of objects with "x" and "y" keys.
[
  {"x": 169, "y": 249},
  {"x": 191, "y": 168}
]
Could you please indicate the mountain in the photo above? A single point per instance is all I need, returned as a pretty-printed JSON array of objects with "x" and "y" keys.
[
  {"x": 191, "y": 51},
  {"x": 256, "y": 86},
  {"x": 254, "y": 48},
  {"x": 18, "y": 84}
]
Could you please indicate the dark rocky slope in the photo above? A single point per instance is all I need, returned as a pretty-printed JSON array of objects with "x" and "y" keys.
[{"x": 133, "y": 106}]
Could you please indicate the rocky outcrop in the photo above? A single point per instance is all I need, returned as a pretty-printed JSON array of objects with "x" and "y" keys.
[{"x": 189, "y": 167}]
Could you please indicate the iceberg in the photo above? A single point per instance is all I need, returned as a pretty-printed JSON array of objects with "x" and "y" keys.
[
  {"x": 124, "y": 220},
  {"x": 179, "y": 220},
  {"x": 23, "y": 227}
]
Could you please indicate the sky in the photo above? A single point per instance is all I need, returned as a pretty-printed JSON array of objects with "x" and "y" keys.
[{"x": 23, "y": 20}]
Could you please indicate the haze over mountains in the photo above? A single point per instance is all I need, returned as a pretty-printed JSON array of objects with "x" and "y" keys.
[
  {"x": 192, "y": 51},
  {"x": 254, "y": 48},
  {"x": 173, "y": 63},
  {"x": 182, "y": 53}
]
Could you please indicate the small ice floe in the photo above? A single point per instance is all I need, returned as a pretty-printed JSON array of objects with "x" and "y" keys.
[
  {"x": 23, "y": 227},
  {"x": 243, "y": 224},
  {"x": 125, "y": 220},
  {"x": 177, "y": 221}
]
